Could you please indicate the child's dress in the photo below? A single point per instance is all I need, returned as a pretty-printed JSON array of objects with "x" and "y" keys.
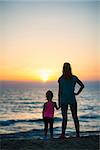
[{"x": 49, "y": 110}]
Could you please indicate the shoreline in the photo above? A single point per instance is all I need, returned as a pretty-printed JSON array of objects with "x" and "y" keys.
[
  {"x": 39, "y": 134},
  {"x": 89, "y": 142}
]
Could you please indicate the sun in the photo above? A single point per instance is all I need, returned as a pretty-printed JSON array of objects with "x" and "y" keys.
[{"x": 44, "y": 74}]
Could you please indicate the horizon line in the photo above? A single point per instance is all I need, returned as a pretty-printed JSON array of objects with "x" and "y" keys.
[{"x": 49, "y": 81}]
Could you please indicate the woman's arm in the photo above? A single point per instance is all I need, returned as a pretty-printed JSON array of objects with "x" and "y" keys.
[
  {"x": 55, "y": 105},
  {"x": 59, "y": 93},
  {"x": 81, "y": 86}
]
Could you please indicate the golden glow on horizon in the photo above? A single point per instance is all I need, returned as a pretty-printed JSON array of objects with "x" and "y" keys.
[
  {"x": 44, "y": 74},
  {"x": 36, "y": 39}
]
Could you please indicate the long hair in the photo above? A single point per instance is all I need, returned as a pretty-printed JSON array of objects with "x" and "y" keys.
[{"x": 67, "y": 71}]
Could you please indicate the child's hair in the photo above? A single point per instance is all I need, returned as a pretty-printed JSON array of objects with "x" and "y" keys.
[{"x": 49, "y": 95}]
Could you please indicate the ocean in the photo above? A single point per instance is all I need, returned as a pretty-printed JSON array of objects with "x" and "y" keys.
[{"x": 21, "y": 105}]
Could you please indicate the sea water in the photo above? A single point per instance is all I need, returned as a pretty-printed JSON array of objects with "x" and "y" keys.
[{"x": 21, "y": 105}]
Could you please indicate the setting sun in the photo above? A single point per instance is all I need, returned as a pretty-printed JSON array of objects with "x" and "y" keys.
[{"x": 45, "y": 74}]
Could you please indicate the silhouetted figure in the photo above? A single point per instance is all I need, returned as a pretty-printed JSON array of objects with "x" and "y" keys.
[
  {"x": 48, "y": 113},
  {"x": 66, "y": 96}
]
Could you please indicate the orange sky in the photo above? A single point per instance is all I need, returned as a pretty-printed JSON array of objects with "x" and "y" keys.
[{"x": 38, "y": 37}]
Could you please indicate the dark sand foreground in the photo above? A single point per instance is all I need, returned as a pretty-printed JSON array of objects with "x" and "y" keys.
[{"x": 83, "y": 143}]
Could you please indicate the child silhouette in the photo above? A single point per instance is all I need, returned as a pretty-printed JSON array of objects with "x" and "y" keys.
[{"x": 48, "y": 113}]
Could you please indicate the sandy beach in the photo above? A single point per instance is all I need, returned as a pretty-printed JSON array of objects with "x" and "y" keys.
[{"x": 72, "y": 143}]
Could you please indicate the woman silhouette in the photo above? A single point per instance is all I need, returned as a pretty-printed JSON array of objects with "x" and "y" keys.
[{"x": 66, "y": 96}]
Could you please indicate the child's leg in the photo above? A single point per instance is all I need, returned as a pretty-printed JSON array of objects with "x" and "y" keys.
[
  {"x": 73, "y": 108},
  {"x": 51, "y": 127},
  {"x": 45, "y": 126}
]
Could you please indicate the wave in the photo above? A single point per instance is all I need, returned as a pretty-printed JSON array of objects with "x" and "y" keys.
[
  {"x": 26, "y": 134},
  {"x": 10, "y": 122},
  {"x": 30, "y": 102},
  {"x": 90, "y": 117},
  {"x": 21, "y": 98}
]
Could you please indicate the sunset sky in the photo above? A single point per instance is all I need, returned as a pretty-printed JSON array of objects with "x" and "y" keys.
[{"x": 37, "y": 37}]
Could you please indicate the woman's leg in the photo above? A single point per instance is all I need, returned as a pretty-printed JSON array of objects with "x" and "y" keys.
[
  {"x": 64, "y": 115},
  {"x": 73, "y": 108}
]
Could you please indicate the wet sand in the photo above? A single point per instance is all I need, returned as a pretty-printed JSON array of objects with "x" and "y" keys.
[{"x": 72, "y": 143}]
